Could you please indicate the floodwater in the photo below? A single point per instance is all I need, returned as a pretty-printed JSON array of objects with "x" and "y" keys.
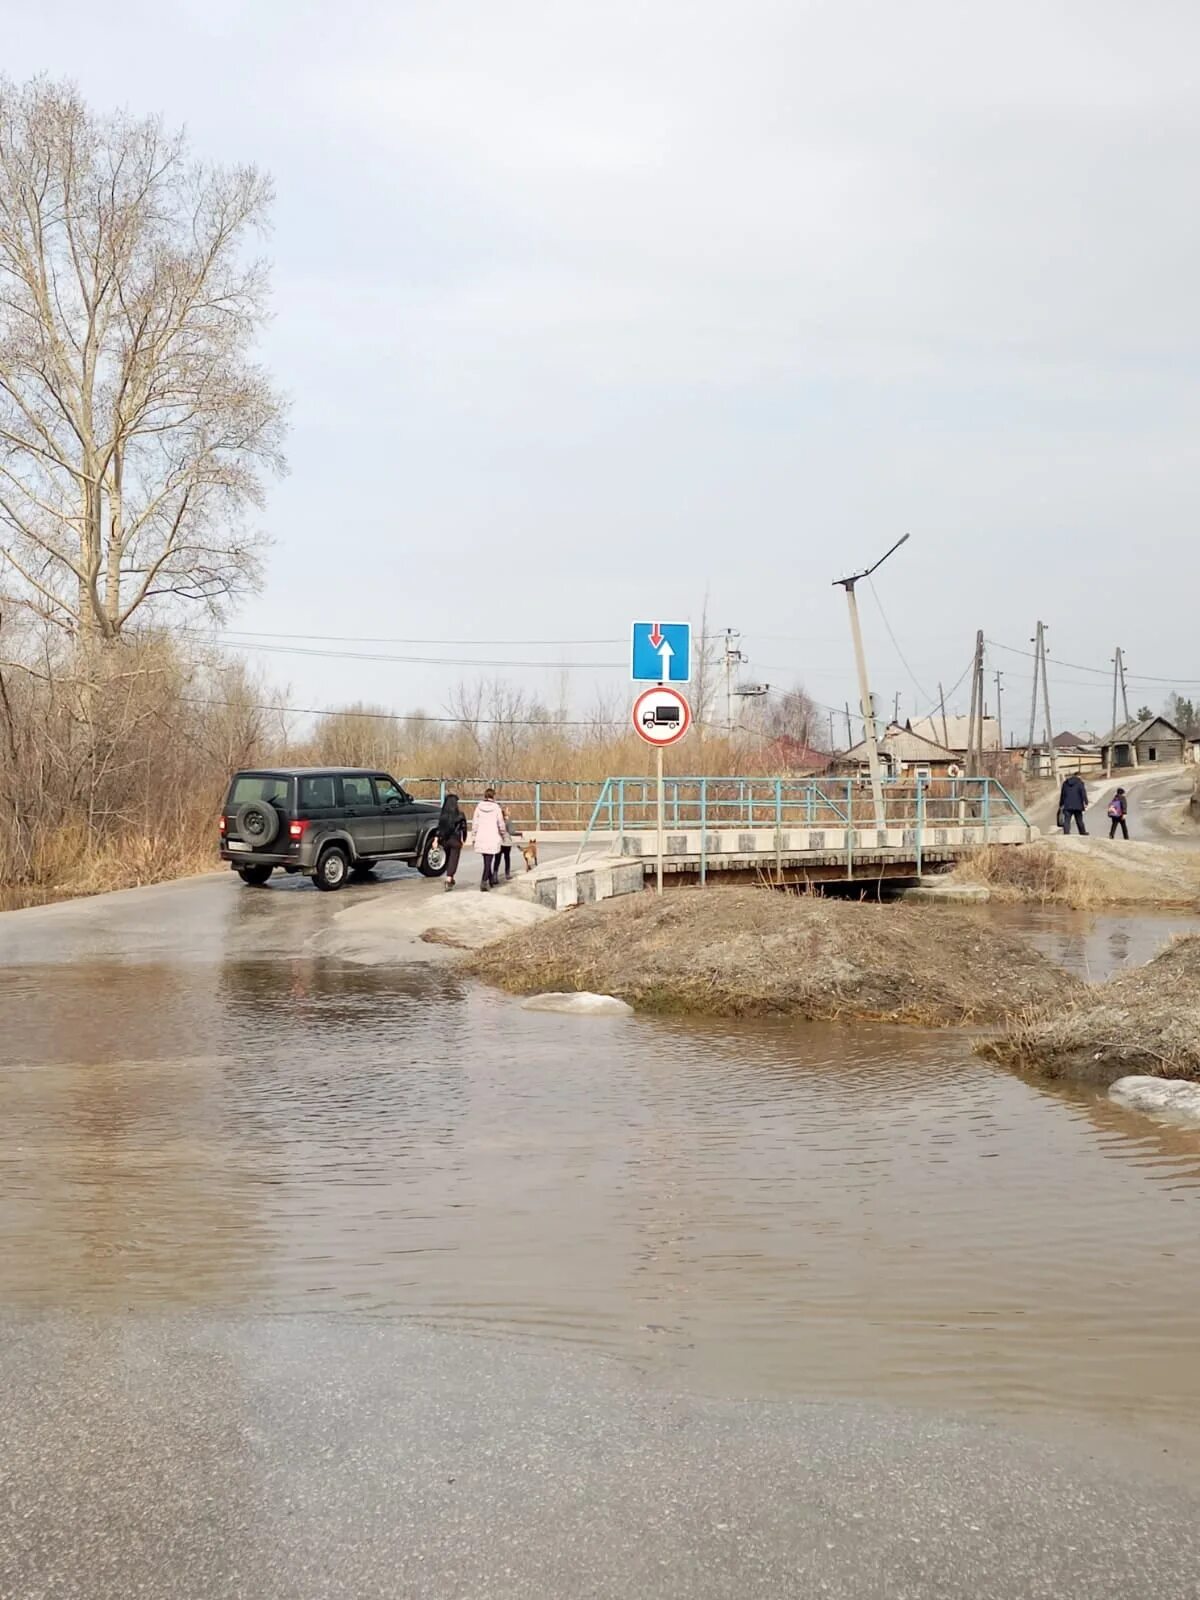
[{"x": 200, "y": 1111}]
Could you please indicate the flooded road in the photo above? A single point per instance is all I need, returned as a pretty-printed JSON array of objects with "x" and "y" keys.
[{"x": 201, "y": 1113}]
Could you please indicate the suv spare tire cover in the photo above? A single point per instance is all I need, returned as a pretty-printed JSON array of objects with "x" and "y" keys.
[{"x": 258, "y": 822}]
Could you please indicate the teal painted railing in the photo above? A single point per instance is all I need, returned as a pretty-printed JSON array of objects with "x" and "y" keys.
[{"x": 627, "y": 805}]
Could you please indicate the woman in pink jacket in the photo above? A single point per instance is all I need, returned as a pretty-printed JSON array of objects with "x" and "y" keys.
[{"x": 488, "y": 833}]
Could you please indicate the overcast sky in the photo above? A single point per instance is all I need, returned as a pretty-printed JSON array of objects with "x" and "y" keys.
[{"x": 587, "y": 309}]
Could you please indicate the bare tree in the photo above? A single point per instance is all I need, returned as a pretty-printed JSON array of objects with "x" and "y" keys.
[
  {"x": 792, "y": 715},
  {"x": 134, "y": 427}
]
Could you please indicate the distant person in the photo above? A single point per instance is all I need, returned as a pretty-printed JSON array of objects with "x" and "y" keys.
[
  {"x": 1118, "y": 810},
  {"x": 451, "y": 833},
  {"x": 1073, "y": 802},
  {"x": 488, "y": 836}
]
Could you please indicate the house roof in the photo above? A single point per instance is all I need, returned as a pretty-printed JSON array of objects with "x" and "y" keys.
[
  {"x": 783, "y": 750},
  {"x": 1131, "y": 732},
  {"x": 957, "y": 732},
  {"x": 904, "y": 745}
]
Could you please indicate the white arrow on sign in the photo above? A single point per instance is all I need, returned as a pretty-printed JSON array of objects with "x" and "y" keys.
[{"x": 659, "y": 643}]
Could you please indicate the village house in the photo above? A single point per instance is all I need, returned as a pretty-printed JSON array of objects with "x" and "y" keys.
[
  {"x": 902, "y": 754},
  {"x": 953, "y": 733},
  {"x": 1153, "y": 741}
]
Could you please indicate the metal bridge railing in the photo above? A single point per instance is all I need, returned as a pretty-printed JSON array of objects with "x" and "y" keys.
[
  {"x": 622, "y": 805},
  {"x": 708, "y": 805}
]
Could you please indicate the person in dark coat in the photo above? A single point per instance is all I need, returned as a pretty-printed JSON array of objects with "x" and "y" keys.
[
  {"x": 452, "y": 833},
  {"x": 1118, "y": 810},
  {"x": 1072, "y": 802}
]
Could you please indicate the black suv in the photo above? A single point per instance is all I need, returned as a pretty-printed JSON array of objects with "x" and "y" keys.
[{"x": 329, "y": 822}]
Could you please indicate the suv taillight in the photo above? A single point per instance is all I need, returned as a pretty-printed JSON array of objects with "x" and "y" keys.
[
  {"x": 221, "y": 823},
  {"x": 296, "y": 829}
]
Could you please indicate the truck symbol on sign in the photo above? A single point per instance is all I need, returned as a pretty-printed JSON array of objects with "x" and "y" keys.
[{"x": 661, "y": 717}]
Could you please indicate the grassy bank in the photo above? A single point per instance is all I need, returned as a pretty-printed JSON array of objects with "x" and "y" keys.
[
  {"x": 1146, "y": 1022},
  {"x": 756, "y": 952},
  {"x": 1084, "y": 874}
]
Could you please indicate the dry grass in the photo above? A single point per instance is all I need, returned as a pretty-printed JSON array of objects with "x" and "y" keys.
[
  {"x": 755, "y": 952},
  {"x": 1029, "y": 872},
  {"x": 1069, "y": 875},
  {"x": 1146, "y": 1021}
]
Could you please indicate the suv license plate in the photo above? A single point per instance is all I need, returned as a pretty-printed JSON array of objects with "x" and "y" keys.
[{"x": 237, "y": 844}]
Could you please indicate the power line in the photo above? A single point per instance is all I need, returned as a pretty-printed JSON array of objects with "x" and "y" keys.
[
  {"x": 1103, "y": 672},
  {"x": 923, "y": 692},
  {"x": 415, "y": 661},
  {"x": 349, "y": 638}
]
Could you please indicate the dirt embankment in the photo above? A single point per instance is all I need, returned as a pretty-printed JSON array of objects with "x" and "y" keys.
[
  {"x": 1144, "y": 1022},
  {"x": 1084, "y": 873},
  {"x": 757, "y": 952}
]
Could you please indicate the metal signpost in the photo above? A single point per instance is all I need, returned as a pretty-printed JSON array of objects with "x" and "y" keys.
[{"x": 661, "y": 716}]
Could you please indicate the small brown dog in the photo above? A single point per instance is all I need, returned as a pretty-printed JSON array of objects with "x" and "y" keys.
[{"x": 529, "y": 851}]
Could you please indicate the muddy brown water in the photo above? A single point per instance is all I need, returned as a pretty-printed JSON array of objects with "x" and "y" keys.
[{"x": 199, "y": 1111}]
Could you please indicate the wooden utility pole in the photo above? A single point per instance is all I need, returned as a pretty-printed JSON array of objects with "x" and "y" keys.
[
  {"x": 942, "y": 703},
  {"x": 1112, "y": 727},
  {"x": 896, "y": 709},
  {"x": 975, "y": 723},
  {"x": 1041, "y": 633},
  {"x": 849, "y": 731},
  {"x": 831, "y": 741},
  {"x": 1037, "y": 667},
  {"x": 999, "y": 713}
]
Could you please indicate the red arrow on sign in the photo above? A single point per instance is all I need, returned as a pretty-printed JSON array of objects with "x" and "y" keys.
[{"x": 656, "y": 637}]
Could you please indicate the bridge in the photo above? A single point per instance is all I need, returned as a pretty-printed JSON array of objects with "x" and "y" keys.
[{"x": 782, "y": 830}]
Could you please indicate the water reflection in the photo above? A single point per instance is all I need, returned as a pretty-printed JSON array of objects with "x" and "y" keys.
[
  {"x": 1093, "y": 944},
  {"x": 773, "y": 1208}
]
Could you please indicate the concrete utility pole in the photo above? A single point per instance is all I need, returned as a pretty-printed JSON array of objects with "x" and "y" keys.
[
  {"x": 831, "y": 733},
  {"x": 864, "y": 687},
  {"x": 732, "y": 657}
]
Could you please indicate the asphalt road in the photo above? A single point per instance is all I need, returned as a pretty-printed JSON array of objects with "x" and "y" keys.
[{"x": 316, "y": 1459}]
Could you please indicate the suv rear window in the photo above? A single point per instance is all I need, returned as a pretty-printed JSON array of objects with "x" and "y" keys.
[
  {"x": 246, "y": 788},
  {"x": 316, "y": 794}
]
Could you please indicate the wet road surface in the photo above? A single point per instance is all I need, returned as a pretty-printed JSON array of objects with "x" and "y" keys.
[{"x": 285, "y": 1241}]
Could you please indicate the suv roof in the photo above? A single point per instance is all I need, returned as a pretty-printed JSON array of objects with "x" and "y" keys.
[{"x": 304, "y": 772}]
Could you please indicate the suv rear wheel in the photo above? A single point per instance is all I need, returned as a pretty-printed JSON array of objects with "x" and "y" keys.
[
  {"x": 256, "y": 876},
  {"x": 431, "y": 863},
  {"x": 333, "y": 868}
]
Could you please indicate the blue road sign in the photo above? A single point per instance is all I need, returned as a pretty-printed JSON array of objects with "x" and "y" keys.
[{"x": 662, "y": 652}]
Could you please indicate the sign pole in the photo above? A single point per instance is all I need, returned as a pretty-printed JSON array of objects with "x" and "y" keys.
[{"x": 662, "y": 808}]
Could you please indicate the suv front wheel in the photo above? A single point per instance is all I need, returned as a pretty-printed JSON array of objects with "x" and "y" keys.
[{"x": 333, "y": 868}]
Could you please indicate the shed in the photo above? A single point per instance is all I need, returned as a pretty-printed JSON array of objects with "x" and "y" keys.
[{"x": 1151, "y": 741}]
